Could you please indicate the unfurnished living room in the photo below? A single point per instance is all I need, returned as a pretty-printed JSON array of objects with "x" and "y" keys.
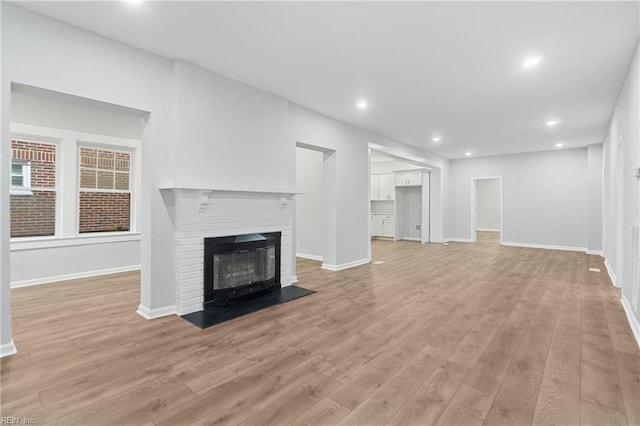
[{"x": 316, "y": 213}]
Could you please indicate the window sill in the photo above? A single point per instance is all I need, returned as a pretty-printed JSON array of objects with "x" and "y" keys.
[
  {"x": 20, "y": 192},
  {"x": 30, "y": 243}
]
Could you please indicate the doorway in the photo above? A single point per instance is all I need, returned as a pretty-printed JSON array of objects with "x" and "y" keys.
[
  {"x": 486, "y": 209},
  {"x": 315, "y": 211},
  {"x": 399, "y": 202}
]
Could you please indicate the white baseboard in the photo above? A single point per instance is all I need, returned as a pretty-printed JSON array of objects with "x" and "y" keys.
[
  {"x": 147, "y": 313},
  {"x": 487, "y": 230},
  {"x": 596, "y": 252},
  {"x": 294, "y": 279},
  {"x": 8, "y": 349},
  {"x": 612, "y": 275},
  {"x": 310, "y": 256},
  {"x": 544, "y": 246},
  {"x": 75, "y": 276},
  {"x": 342, "y": 266},
  {"x": 632, "y": 318},
  {"x": 412, "y": 239},
  {"x": 458, "y": 240}
]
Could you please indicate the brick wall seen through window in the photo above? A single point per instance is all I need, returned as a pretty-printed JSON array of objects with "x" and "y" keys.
[
  {"x": 105, "y": 196},
  {"x": 33, "y": 208}
]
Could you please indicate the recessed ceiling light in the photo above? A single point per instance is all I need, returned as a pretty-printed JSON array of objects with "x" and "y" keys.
[
  {"x": 468, "y": 154},
  {"x": 437, "y": 138},
  {"x": 362, "y": 104},
  {"x": 559, "y": 145},
  {"x": 552, "y": 123},
  {"x": 532, "y": 61}
]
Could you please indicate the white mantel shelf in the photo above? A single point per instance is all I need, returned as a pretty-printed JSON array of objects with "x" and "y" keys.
[{"x": 199, "y": 186}]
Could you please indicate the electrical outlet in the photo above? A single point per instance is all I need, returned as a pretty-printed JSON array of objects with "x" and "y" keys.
[{"x": 418, "y": 227}]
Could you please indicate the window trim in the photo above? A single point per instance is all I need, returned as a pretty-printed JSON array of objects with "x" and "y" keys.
[
  {"x": 68, "y": 186},
  {"x": 25, "y": 188},
  {"x": 31, "y": 243}
]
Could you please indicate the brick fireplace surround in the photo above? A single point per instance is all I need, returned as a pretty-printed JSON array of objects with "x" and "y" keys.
[{"x": 201, "y": 213}]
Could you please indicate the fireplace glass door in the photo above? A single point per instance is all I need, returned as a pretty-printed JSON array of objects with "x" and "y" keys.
[
  {"x": 240, "y": 266},
  {"x": 244, "y": 267}
]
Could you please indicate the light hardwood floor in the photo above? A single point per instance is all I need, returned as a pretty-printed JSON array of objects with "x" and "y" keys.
[{"x": 437, "y": 334}]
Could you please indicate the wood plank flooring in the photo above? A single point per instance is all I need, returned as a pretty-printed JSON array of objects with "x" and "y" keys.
[{"x": 437, "y": 334}]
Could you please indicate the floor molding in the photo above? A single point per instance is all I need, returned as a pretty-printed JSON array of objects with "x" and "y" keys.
[
  {"x": 612, "y": 274},
  {"x": 8, "y": 349},
  {"x": 147, "y": 313},
  {"x": 458, "y": 240},
  {"x": 487, "y": 230},
  {"x": 596, "y": 252},
  {"x": 631, "y": 317},
  {"x": 342, "y": 266},
  {"x": 310, "y": 256},
  {"x": 75, "y": 276},
  {"x": 544, "y": 246}
]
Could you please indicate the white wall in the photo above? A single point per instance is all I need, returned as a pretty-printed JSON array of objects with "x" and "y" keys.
[
  {"x": 352, "y": 174},
  {"x": 621, "y": 192},
  {"x": 201, "y": 127},
  {"x": 73, "y": 261},
  {"x": 391, "y": 166},
  {"x": 7, "y": 346},
  {"x": 41, "y": 52},
  {"x": 230, "y": 133},
  {"x": 76, "y": 256},
  {"x": 60, "y": 111},
  {"x": 488, "y": 204},
  {"x": 595, "y": 206},
  {"x": 411, "y": 212},
  {"x": 309, "y": 232},
  {"x": 544, "y": 196}
]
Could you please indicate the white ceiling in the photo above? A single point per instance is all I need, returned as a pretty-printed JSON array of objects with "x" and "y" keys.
[{"x": 451, "y": 68}]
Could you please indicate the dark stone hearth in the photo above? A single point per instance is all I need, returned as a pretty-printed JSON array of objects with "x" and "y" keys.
[{"x": 213, "y": 315}]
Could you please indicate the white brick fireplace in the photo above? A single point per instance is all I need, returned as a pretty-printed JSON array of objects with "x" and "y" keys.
[{"x": 201, "y": 213}]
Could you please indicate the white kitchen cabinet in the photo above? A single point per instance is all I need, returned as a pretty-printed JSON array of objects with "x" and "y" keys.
[
  {"x": 387, "y": 187},
  {"x": 376, "y": 225},
  {"x": 387, "y": 226},
  {"x": 412, "y": 178},
  {"x": 383, "y": 225},
  {"x": 383, "y": 187}
]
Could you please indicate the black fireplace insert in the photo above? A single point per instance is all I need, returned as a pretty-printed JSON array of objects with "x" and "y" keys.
[{"x": 240, "y": 266}]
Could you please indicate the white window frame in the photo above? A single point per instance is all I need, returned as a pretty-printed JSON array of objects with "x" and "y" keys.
[
  {"x": 118, "y": 148},
  {"x": 25, "y": 187},
  {"x": 68, "y": 185}
]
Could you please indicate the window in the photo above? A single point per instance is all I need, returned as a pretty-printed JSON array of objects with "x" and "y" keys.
[
  {"x": 105, "y": 190},
  {"x": 20, "y": 177},
  {"x": 67, "y": 184},
  {"x": 33, "y": 189}
]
